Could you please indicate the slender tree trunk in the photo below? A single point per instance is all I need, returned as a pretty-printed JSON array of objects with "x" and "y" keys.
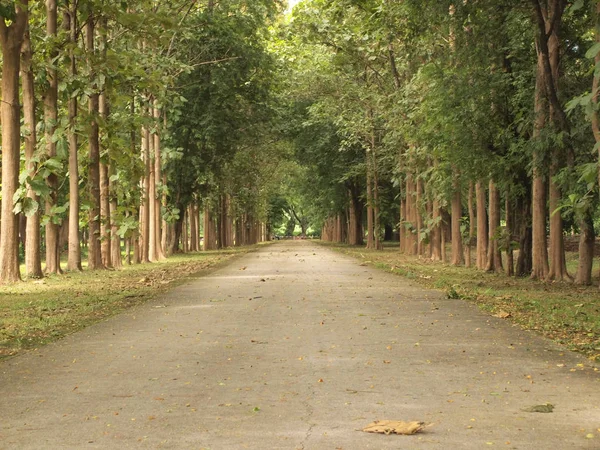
[
  {"x": 185, "y": 240},
  {"x": 509, "y": 218},
  {"x": 105, "y": 216},
  {"x": 94, "y": 250},
  {"x": 436, "y": 232},
  {"x": 145, "y": 207},
  {"x": 457, "y": 247},
  {"x": 115, "y": 241},
  {"x": 419, "y": 217},
  {"x": 33, "y": 260},
  {"x": 11, "y": 38},
  {"x": 482, "y": 226},
  {"x": 370, "y": 222},
  {"x": 587, "y": 239},
  {"x": 494, "y": 255},
  {"x": 74, "y": 251},
  {"x": 471, "y": 226},
  {"x": 50, "y": 119},
  {"x": 540, "y": 268}
]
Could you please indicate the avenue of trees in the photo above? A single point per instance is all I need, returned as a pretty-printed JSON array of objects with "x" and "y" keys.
[
  {"x": 131, "y": 128},
  {"x": 125, "y": 122},
  {"x": 473, "y": 123}
]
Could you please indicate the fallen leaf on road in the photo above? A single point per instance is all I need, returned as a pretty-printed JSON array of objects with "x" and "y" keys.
[
  {"x": 394, "y": 427},
  {"x": 545, "y": 408}
]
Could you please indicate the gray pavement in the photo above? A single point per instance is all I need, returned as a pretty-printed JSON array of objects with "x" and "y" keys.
[{"x": 298, "y": 347}]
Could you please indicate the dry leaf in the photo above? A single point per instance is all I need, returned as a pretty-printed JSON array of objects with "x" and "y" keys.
[{"x": 394, "y": 427}]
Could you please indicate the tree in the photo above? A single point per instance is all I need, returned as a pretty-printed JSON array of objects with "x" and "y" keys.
[{"x": 13, "y": 23}]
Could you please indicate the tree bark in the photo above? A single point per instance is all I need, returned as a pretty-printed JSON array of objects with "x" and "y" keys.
[
  {"x": 105, "y": 216},
  {"x": 145, "y": 206},
  {"x": 509, "y": 219},
  {"x": 494, "y": 255},
  {"x": 587, "y": 239},
  {"x": 539, "y": 261},
  {"x": 11, "y": 38},
  {"x": 482, "y": 226},
  {"x": 471, "y": 226},
  {"x": 50, "y": 119},
  {"x": 74, "y": 245},
  {"x": 94, "y": 250},
  {"x": 457, "y": 247},
  {"x": 33, "y": 260}
]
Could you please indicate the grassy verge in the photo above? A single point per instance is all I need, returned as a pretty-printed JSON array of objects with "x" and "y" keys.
[
  {"x": 566, "y": 313},
  {"x": 35, "y": 312}
]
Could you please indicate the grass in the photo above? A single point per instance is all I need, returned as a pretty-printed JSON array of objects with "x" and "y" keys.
[
  {"x": 563, "y": 312},
  {"x": 36, "y": 312}
]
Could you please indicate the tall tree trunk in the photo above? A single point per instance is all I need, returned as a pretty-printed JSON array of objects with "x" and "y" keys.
[
  {"x": 494, "y": 255},
  {"x": 457, "y": 247},
  {"x": 11, "y": 38},
  {"x": 509, "y": 219},
  {"x": 33, "y": 260},
  {"x": 105, "y": 217},
  {"x": 159, "y": 250},
  {"x": 115, "y": 239},
  {"x": 145, "y": 206},
  {"x": 539, "y": 261},
  {"x": 370, "y": 221},
  {"x": 436, "y": 232},
  {"x": 482, "y": 226},
  {"x": 471, "y": 226},
  {"x": 94, "y": 250},
  {"x": 74, "y": 251},
  {"x": 50, "y": 119}
]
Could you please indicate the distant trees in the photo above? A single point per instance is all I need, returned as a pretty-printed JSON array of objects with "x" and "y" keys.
[{"x": 476, "y": 136}]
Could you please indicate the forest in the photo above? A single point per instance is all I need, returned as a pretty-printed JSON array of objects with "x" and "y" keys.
[{"x": 465, "y": 132}]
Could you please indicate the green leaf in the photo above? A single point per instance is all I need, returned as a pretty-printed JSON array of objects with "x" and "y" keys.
[{"x": 593, "y": 51}]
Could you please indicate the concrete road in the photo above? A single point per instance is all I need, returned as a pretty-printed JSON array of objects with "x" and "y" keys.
[{"x": 298, "y": 347}]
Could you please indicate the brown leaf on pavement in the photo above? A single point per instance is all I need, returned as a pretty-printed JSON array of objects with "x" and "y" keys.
[{"x": 394, "y": 427}]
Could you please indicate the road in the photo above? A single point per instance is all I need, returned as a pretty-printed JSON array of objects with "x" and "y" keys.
[{"x": 298, "y": 347}]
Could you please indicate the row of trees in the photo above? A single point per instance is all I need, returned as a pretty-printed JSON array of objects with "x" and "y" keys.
[
  {"x": 471, "y": 122},
  {"x": 126, "y": 122}
]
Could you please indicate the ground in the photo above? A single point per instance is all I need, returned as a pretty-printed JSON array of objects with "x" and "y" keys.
[{"x": 298, "y": 347}]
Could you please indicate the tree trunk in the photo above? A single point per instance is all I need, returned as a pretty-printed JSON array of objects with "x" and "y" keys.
[
  {"x": 539, "y": 269},
  {"x": 524, "y": 260},
  {"x": 11, "y": 38},
  {"x": 471, "y": 226},
  {"x": 482, "y": 226},
  {"x": 370, "y": 222},
  {"x": 33, "y": 260},
  {"x": 436, "y": 232},
  {"x": 587, "y": 239},
  {"x": 145, "y": 206},
  {"x": 50, "y": 119},
  {"x": 558, "y": 262},
  {"x": 74, "y": 251},
  {"x": 494, "y": 255},
  {"x": 115, "y": 241},
  {"x": 105, "y": 216},
  {"x": 94, "y": 250},
  {"x": 159, "y": 249},
  {"x": 457, "y": 248},
  {"x": 509, "y": 218}
]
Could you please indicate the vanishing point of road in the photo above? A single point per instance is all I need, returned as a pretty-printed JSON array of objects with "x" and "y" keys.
[{"x": 298, "y": 347}]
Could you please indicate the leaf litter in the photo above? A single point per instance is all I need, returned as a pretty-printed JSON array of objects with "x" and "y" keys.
[{"x": 394, "y": 427}]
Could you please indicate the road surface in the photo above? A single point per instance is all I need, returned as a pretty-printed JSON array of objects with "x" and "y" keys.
[{"x": 298, "y": 347}]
